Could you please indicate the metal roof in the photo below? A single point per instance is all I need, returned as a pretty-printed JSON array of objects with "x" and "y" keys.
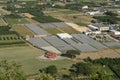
[
  {"x": 47, "y": 25},
  {"x": 37, "y": 30},
  {"x": 60, "y": 24},
  {"x": 112, "y": 44},
  {"x": 85, "y": 39},
  {"x": 84, "y": 47},
  {"x": 80, "y": 46},
  {"x": 100, "y": 25},
  {"x": 40, "y": 43},
  {"x": 58, "y": 43}
]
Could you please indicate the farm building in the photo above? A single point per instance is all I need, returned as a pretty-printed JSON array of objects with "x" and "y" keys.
[
  {"x": 50, "y": 55},
  {"x": 99, "y": 27}
]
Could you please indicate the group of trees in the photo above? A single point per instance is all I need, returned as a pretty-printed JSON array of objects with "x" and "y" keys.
[
  {"x": 13, "y": 71},
  {"x": 4, "y": 30},
  {"x": 71, "y": 53},
  {"x": 109, "y": 18}
]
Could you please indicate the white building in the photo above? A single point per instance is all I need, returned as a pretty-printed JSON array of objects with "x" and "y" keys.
[
  {"x": 99, "y": 27},
  {"x": 64, "y": 35},
  {"x": 114, "y": 32},
  {"x": 85, "y": 7}
]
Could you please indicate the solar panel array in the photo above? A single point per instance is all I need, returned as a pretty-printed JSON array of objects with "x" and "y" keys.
[
  {"x": 37, "y": 30},
  {"x": 112, "y": 44},
  {"x": 58, "y": 43},
  {"x": 60, "y": 24},
  {"x": 85, "y": 39},
  {"x": 40, "y": 43},
  {"x": 79, "y": 46},
  {"x": 47, "y": 25}
]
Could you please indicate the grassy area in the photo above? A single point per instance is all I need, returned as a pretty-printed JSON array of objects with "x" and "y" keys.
[
  {"x": 16, "y": 21},
  {"x": 22, "y": 31},
  {"x": 53, "y": 31},
  {"x": 28, "y": 58},
  {"x": 68, "y": 30},
  {"x": 1, "y": 22}
]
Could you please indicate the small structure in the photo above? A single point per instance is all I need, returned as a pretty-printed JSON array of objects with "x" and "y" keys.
[
  {"x": 114, "y": 32},
  {"x": 50, "y": 55},
  {"x": 92, "y": 32},
  {"x": 64, "y": 35},
  {"x": 85, "y": 7},
  {"x": 99, "y": 27}
]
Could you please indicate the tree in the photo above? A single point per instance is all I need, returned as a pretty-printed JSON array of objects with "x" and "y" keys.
[
  {"x": 81, "y": 68},
  {"x": 72, "y": 53},
  {"x": 51, "y": 70},
  {"x": 10, "y": 71},
  {"x": 44, "y": 76},
  {"x": 100, "y": 75}
]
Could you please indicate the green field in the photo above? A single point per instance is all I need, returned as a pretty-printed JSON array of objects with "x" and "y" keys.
[
  {"x": 16, "y": 21},
  {"x": 22, "y": 31},
  {"x": 28, "y": 58},
  {"x": 53, "y": 31}
]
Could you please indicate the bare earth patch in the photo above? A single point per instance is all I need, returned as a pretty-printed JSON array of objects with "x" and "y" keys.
[{"x": 110, "y": 53}]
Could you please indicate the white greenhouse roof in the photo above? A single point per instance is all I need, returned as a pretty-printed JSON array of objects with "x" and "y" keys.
[{"x": 64, "y": 35}]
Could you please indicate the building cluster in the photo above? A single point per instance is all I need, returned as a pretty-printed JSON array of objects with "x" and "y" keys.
[
  {"x": 62, "y": 42},
  {"x": 97, "y": 28}
]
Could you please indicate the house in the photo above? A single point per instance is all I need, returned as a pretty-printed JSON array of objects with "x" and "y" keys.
[
  {"x": 50, "y": 55},
  {"x": 99, "y": 27}
]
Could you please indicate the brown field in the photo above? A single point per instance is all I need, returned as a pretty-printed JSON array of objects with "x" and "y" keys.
[
  {"x": 110, "y": 53},
  {"x": 70, "y": 16},
  {"x": 22, "y": 30},
  {"x": 77, "y": 27},
  {"x": 68, "y": 30}
]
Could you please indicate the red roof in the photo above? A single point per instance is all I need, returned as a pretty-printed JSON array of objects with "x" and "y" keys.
[{"x": 50, "y": 54}]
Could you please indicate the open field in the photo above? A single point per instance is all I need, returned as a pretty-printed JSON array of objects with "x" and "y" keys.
[
  {"x": 16, "y": 21},
  {"x": 1, "y": 23},
  {"x": 77, "y": 27},
  {"x": 70, "y": 16},
  {"x": 22, "y": 30},
  {"x": 110, "y": 53},
  {"x": 53, "y": 31},
  {"x": 28, "y": 58},
  {"x": 68, "y": 30}
]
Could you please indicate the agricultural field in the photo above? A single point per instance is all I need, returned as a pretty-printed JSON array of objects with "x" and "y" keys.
[
  {"x": 2, "y": 23},
  {"x": 28, "y": 57},
  {"x": 9, "y": 37},
  {"x": 22, "y": 31},
  {"x": 53, "y": 31},
  {"x": 68, "y": 30},
  {"x": 16, "y": 21},
  {"x": 110, "y": 53},
  {"x": 70, "y": 16}
]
